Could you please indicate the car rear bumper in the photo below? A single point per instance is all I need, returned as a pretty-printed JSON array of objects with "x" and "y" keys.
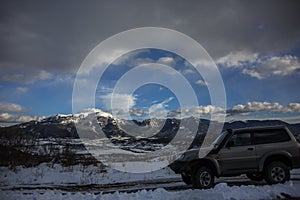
[{"x": 296, "y": 162}]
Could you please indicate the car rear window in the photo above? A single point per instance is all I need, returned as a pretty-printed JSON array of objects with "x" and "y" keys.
[{"x": 271, "y": 136}]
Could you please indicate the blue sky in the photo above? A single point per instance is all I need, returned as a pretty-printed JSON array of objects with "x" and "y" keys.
[
  {"x": 263, "y": 95},
  {"x": 257, "y": 52},
  {"x": 148, "y": 95},
  {"x": 257, "y": 86}
]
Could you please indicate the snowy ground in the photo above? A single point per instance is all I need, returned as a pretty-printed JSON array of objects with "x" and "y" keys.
[
  {"x": 92, "y": 182},
  {"x": 46, "y": 174},
  {"x": 220, "y": 191}
]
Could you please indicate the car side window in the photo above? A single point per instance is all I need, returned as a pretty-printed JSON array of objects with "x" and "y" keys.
[
  {"x": 239, "y": 139},
  {"x": 271, "y": 136}
]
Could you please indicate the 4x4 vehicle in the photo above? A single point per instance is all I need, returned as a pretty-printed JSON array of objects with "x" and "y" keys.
[{"x": 261, "y": 153}]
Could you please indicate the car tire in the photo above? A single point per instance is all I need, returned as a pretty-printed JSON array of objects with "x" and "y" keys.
[
  {"x": 255, "y": 176},
  {"x": 186, "y": 178},
  {"x": 203, "y": 178},
  {"x": 276, "y": 172}
]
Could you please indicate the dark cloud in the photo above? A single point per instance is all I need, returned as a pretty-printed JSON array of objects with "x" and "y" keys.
[{"x": 57, "y": 35}]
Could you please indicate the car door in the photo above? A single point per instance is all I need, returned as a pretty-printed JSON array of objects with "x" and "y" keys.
[{"x": 238, "y": 154}]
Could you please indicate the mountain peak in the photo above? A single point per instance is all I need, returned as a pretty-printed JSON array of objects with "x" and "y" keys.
[{"x": 96, "y": 111}]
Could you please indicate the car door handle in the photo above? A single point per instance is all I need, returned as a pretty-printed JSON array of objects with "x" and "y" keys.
[{"x": 251, "y": 148}]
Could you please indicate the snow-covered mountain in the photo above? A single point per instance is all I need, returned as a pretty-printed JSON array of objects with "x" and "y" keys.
[
  {"x": 60, "y": 133},
  {"x": 90, "y": 121}
]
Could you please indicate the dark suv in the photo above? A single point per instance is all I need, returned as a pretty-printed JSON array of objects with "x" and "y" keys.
[{"x": 261, "y": 153}]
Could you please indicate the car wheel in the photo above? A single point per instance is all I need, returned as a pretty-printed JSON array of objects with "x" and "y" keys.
[
  {"x": 203, "y": 178},
  {"x": 277, "y": 172},
  {"x": 255, "y": 176},
  {"x": 186, "y": 178}
]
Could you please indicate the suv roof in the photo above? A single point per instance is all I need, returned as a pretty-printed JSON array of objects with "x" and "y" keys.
[{"x": 259, "y": 128}]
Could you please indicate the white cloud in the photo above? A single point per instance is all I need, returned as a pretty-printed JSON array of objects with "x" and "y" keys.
[
  {"x": 264, "y": 106},
  {"x": 9, "y": 118},
  {"x": 252, "y": 73},
  {"x": 140, "y": 61},
  {"x": 119, "y": 101},
  {"x": 11, "y": 108},
  {"x": 26, "y": 77},
  {"x": 294, "y": 107},
  {"x": 104, "y": 89},
  {"x": 159, "y": 110},
  {"x": 277, "y": 65},
  {"x": 196, "y": 111},
  {"x": 132, "y": 59},
  {"x": 258, "y": 106},
  {"x": 22, "y": 89},
  {"x": 65, "y": 78},
  {"x": 109, "y": 56},
  {"x": 237, "y": 59},
  {"x": 201, "y": 83},
  {"x": 259, "y": 66},
  {"x": 204, "y": 110},
  {"x": 44, "y": 75},
  {"x": 188, "y": 71},
  {"x": 169, "y": 61},
  {"x": 240, "y": 109}
]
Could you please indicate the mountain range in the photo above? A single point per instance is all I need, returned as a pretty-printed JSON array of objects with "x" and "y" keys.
[{"x": 65, "y": 126}]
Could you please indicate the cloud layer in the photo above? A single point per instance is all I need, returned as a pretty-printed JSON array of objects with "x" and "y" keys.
[
  {"x": 160, "y": 110},
  {"x": 9, "y": 118},
  {"x": 40, "y": 43},
  {"x": 33, "y": 38},
  {"x": 14, "y": 113},
  {"x": 276, "y": 66},
  {"x": 11, "y": 108},
  {"x": 260, "y": 67},
  {"x": 255, "y": 106}
]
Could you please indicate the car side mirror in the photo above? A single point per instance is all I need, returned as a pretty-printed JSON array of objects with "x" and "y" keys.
[{"x": 215, "y": 146}]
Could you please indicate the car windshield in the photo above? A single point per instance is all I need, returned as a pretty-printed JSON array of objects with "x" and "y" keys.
[{"x": 219, "y": 139}]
